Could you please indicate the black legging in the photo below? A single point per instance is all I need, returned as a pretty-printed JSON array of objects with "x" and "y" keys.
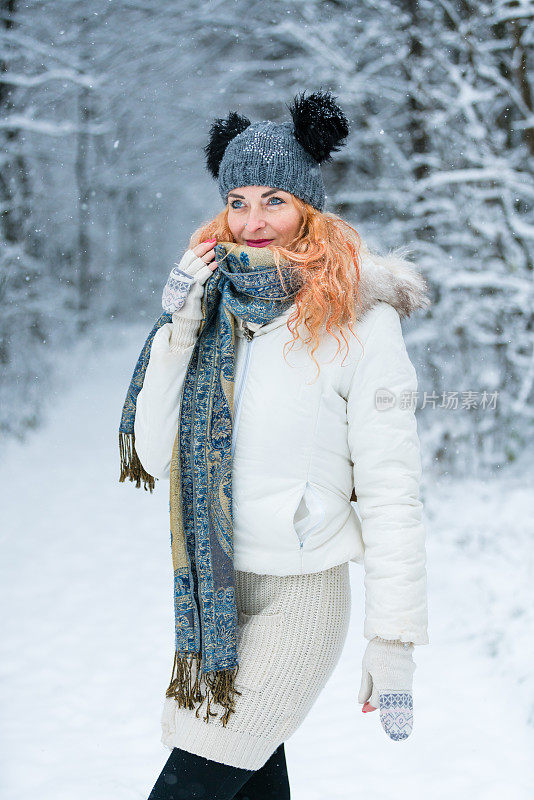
[{"x": 187, "y": 776}]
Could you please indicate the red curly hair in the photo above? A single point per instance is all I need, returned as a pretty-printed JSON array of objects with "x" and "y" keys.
[{"x": 326, "y": 250}]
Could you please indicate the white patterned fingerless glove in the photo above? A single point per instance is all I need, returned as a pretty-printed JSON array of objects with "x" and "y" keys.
[
  {"x": 387, "y": 680},
  {"x": 186, "y": 283},
  {"x": 176, "y": 290},
  {"x": 182, "y": 296}
]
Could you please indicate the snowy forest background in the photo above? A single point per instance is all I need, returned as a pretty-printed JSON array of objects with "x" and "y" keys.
[{"x": 105, "y": 109}]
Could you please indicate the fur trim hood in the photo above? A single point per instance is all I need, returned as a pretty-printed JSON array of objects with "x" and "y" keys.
[{"x": 393, "y": 279}]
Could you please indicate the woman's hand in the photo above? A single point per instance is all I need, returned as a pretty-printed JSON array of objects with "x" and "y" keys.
[
  {"x": 195, "y": 260},
  {"x": 184, "y": 286},
  {"x": 387, "y": 678}
]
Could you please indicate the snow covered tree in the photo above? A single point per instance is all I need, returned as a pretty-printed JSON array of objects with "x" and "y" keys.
[{"x": 107, "y": 108}]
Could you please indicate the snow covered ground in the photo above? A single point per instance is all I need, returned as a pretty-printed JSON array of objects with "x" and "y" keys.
[{"x": 87, "y": 634}]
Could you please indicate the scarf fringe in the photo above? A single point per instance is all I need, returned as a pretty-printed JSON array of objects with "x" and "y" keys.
[
  {"x": 131, "y": 467},
  {"x": 220, "y": 687}
]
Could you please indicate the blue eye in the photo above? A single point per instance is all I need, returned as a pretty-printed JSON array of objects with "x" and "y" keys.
[{"x": 279, "y": 201}]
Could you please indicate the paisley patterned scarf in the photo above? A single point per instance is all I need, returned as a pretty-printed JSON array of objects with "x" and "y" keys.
[{"x": 245, "y": 284}]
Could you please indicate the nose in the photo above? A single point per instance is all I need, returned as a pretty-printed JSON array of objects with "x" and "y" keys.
[{"x": 254, "y": 223}]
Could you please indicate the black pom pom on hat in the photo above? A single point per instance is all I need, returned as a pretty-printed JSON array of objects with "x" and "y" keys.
[
  {"x": 320, "y": 124},
  {"x": 221, "y": 134}
]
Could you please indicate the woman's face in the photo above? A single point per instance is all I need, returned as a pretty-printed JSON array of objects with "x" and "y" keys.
[{"x": 270, "y": 216}]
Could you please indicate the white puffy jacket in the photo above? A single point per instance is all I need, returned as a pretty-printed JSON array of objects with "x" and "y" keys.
[{"x": 299, "y": 447}]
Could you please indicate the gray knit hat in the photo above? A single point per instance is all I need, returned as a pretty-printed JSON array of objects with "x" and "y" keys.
[{"x": 282, "y": 155}]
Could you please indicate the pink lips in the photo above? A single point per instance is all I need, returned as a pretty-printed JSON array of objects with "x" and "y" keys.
[{"x": 258, "y": 242}]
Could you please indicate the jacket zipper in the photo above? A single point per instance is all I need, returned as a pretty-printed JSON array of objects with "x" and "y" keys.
[{"x": 249, "y": 335}]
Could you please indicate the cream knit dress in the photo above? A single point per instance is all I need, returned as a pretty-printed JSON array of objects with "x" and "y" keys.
[{"x": 291, "y": 631}]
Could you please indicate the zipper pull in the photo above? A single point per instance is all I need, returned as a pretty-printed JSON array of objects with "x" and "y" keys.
[{"x": 246, "y": 330}]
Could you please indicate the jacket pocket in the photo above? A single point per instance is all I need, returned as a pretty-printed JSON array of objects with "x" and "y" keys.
[
  {"x": 258, "y": 642},
  {"x": 309, "y": 515}
]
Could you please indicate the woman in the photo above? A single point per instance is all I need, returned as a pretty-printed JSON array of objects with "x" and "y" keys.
[{"x": 276, "y": 384}]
